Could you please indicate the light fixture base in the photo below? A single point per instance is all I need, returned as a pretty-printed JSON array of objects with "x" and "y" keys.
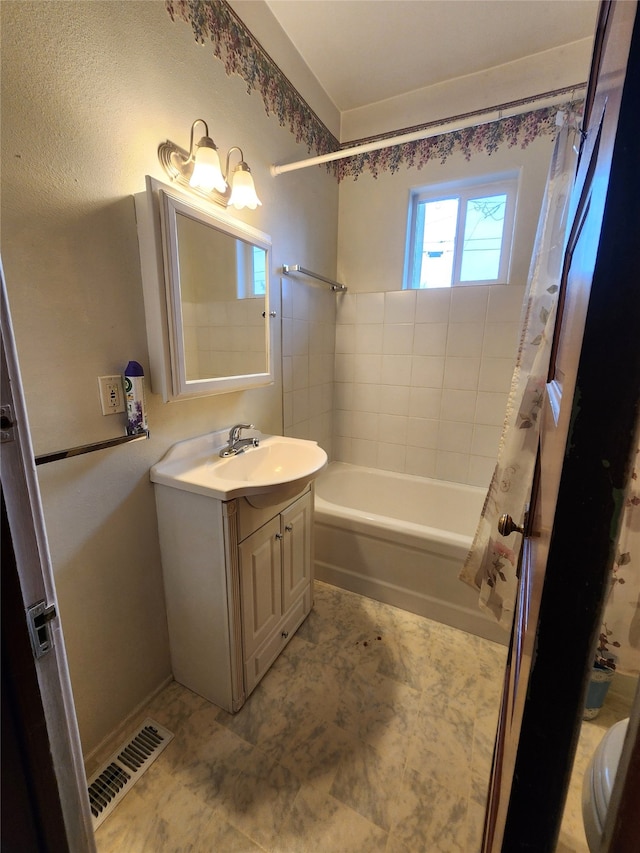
[{"x": 176, "y": 163}]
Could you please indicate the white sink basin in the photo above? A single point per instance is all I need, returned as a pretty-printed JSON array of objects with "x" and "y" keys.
[{"x": 276, "y": 470}]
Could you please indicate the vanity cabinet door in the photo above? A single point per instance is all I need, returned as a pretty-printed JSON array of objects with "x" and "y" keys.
[
  {"x": 297, "y": 529},
  {"x": 261, "y": 585}
]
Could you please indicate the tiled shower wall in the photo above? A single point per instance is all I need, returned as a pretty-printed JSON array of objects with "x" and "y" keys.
[
  {"x": 308, "y": 354},
  {"x": 421, "y": 377}
]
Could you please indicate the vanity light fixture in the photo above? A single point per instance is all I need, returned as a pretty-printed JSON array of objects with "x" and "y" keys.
[{"x": 200, "y": 170}]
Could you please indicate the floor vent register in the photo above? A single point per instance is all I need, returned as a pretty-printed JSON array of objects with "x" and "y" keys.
[{"x": 127, "y": 764}]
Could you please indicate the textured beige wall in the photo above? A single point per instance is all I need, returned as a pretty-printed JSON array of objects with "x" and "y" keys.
[{"x": 89, "y": 90}]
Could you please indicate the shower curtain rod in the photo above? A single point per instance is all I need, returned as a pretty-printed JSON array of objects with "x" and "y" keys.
[{"x": 459, "y": 122}]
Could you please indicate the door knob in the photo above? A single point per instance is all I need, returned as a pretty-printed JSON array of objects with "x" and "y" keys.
[{"x": 507, "y": 526}]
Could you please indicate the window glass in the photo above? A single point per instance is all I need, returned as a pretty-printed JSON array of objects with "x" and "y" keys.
[
  {"x": 483, "y": 227},
  {"x": 440, "y": 220},
  {"x": 259, "y": 271},
  {"x": 461, "y": 233}
]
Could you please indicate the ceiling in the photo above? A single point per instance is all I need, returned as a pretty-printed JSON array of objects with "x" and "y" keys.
[{"x": 364, "y": 51}]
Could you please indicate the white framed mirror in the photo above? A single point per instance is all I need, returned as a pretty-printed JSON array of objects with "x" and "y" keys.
[{"x": 206, "y": 293}]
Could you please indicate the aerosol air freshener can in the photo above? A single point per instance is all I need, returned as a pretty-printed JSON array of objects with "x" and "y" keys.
[{"x": 134, "y": 395}]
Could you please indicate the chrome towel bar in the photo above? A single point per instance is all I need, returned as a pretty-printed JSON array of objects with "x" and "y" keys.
[
  {"x": 88, "y": 448},
  {"x": 291, "y": 269}
]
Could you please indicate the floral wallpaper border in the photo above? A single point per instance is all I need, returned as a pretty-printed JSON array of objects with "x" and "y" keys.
[
  {"x": 242, "y": 54},
  {"x": 519, "y": 130}
]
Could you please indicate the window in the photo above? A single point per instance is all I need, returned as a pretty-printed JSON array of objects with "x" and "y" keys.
[
  {"x": 461, "y": 233},
  {"x": 251, "y": 270}
]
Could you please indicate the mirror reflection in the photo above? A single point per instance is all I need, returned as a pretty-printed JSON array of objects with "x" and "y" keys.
[{"x": 223, "y": 305}]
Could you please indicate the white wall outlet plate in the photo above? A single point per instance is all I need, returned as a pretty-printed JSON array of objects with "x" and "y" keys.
[{"x": 111, "y": 394}]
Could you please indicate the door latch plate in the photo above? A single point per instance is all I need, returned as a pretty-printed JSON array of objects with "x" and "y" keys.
[
  {"x": 38, "y": 617},
  {"x": 6, "y": 424}
]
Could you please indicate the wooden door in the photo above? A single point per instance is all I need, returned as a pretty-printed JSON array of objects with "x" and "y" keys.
[
  {"x": 584, "y": 457},
  {"x": 45, "y": 804}
]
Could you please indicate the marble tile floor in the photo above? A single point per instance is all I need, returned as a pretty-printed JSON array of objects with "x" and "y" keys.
[{"x": 373, "y": 731}]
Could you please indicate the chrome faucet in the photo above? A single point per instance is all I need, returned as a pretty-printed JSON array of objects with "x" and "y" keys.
[{"x": 236, "y": 444}]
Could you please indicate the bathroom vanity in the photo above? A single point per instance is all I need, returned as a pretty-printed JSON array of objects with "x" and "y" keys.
[{"x": 238, "y": 573}]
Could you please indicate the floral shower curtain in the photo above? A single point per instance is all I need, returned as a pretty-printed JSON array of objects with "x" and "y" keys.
[{"x": 491, "y": 563}]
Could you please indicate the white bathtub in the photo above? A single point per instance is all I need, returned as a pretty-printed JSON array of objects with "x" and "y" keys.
[{"x": 402, "y": 540}]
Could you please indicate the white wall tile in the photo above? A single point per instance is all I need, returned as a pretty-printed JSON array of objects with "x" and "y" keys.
[
  {"x": 300, "y": 337},
  {"x": 392, "y": 429},
  {"x": 300, "y": 372},
  {"x": 465, "y": 340},
  {"x": 453, "y": 467},
  {"x": 321, "y": 369},
  {"x": 365, "y": 425},
  {"x": 491, "y": 407},
  {"x": 424, "y": 402},
  {"x": 485, "y": 440},
  {"x": 368, "y": 338},
  {"x": 458, "y": 405},
  {"x": 342, "y": 447},
  {"x": 396, "y": 370},
  {"x": 366, "y": 397},
  {"x": 420, "y": 461},
  {"x": 394, "y": 399},
  {"x": 495, "y": 374},
  {"x": 398, "y": 338},
  {"x": 427, "y": 371},
  {"x": 414, "y": 372},
  {"x": 455, "y": 436},
  {"x": 342, "y": 422},
  {"x": 505, "y": 303},
  {"x": 344, "y": 367},
  {"x": 422, "y": 432},
  {"x": 300, "y": 405},
  {"x": 316, "y": 401},
  {"x": 367, "y": 368},
  {"x": 364, "y": 452},
  {"x": 345, "y": 338},
  {"x": 433, "y": 306},
  {"x": 501, "y": 340},
  {"x": 462, "y": 373},
  {"x": 480, "y": 470},
  {"x": 400, "y": 306},
  {"x": 391, "y": 457},
  {"x": 287, "y": 336},
  {"x": 287, "y": 408},
  {"x": 469, "y": 304},
  {"x": 343, "y": 395},
  {"x": 430, "y": 339},
  {"x": 369, "y": 307},
  {"x": 287, "y": 373},
  {"x": 346, "y": 308},
  {"x": 302, "y": 300}
]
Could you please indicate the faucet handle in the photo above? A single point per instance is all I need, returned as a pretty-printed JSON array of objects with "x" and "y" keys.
[{"x": 234, "y": 432}]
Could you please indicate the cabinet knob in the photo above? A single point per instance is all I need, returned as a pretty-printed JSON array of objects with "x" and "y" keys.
[
  {"x": 279, "y": 536},
  {"x": 285, "y": 634},
  {"x": 288, "y": 527}
]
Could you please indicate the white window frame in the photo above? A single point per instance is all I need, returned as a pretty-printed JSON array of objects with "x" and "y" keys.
[{"x": 504, "y": 183}]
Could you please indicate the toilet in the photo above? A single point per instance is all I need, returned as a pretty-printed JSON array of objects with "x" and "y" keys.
[{"x": 598, "y": 782}]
